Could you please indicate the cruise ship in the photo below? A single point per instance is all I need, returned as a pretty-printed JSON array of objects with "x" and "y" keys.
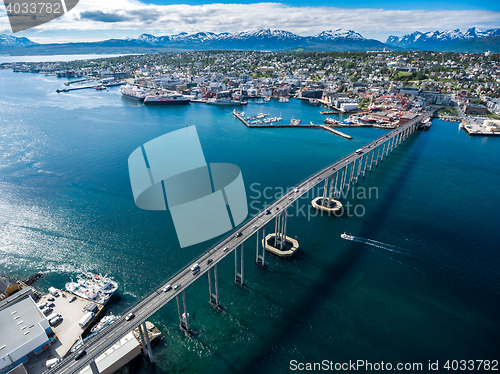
[
  {"x": 226, "y": 101},
  {"x": 133, "y": 92},
  {"x": 166, "y": 99},
  {"x": 224, "y": 98}
]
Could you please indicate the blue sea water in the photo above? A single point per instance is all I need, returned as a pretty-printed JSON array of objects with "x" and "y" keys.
[{"x": 66, "y": 206}]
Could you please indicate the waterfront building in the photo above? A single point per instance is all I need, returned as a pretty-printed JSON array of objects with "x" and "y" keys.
[
  {"x": 475, "y": 109},
  {"x": 24, "y": 332},
  {"x": 8, "y": 286}
]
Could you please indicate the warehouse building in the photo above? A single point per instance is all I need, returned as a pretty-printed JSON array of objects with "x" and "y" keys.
[{"x": 24, "y": 333}]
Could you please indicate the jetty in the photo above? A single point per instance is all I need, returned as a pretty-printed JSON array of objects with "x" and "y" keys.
[
  {"x": 78, "y": 88},
  {"x": 311, "y": 125}
]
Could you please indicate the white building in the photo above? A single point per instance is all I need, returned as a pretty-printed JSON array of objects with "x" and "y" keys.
[{"x": 23, "y": 330}]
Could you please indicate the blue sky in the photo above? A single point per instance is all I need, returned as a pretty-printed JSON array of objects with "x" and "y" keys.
[
  {"x": 377, "y": 4},
  {"x": 93, "y": 20}
]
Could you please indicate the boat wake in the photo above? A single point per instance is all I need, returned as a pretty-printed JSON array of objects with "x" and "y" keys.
[{"x": 384, "y": 246}]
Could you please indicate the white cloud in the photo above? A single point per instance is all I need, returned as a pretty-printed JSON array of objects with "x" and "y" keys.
[{"x": 378, "y": 23}]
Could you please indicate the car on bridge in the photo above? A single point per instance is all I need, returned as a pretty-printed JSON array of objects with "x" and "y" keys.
[
  {"x": 268, "y": 211},
  {"x": 238, "y": 234},
  {"x": 209, "y": 261},
  {"x": 129, "y": 316},
  {"x": 167, "y": 288},
  {"x": 80, "y": 354}
]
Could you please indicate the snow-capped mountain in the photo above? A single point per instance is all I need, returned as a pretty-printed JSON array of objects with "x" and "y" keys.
[
  {"x": 437, "y": 39},
  {"x": 13, "y": 41},
  {"x": 337, "y": 34},
  {"x": 265, "y": 39}
]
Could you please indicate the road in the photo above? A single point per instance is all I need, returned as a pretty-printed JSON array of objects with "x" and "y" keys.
[{"x": 157, "y": 298}]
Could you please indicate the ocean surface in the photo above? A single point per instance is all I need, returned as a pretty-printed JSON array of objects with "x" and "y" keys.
[
  {"x": 48, "y": 58},
  {"x": 421, "y": 282}
]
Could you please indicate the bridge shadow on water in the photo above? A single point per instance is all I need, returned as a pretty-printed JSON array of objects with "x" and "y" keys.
[{"x": 336, "y": 270}]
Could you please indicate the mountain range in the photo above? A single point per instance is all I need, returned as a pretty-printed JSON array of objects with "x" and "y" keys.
[
  {"x": 474, "y": 40},
  {"x": 453, "y": 40}
]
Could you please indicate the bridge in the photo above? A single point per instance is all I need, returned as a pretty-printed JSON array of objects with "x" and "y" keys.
[{"x": 337, "y": 177}]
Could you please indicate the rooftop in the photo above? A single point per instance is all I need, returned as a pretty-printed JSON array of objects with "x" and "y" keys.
[{"x": 19, "y": 324}]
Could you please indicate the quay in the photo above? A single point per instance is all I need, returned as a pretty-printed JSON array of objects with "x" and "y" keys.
[
  {"x": 77, "y": 88},
  {"x": 68, "y": 331},
  {"x": 268, "y": 126},
  {"x": 336, "y": 132},
  {"x": 338, "y": 177},
  {"x": 78, "y": 81}
]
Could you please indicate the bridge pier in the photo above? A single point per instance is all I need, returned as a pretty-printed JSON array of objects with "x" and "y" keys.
[
  {"x": 148, "y": 343},
  {"x": 353, "y": 165},
  {"x": 93, "y": 367},
  {"x": 238, "y": 276},
  {"x": 280, "y": 238},
  {"x": 342, "y": 180},
  {"x": 378, "y": 154},
  {"x": 260, "y": 258},
  {"x": 214, "y": 297},
  {"x": 366, "y": 162},
  {"x": 183, "y": 317},
  {"x": 324, "y": 191},
  {"x": 359, "y": 168},
  {"x": 382, "y": 146},
  {"x": 373, "y": 155}
]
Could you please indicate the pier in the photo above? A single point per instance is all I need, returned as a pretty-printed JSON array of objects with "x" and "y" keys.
[
  {"x": 338, "y": 177},
  {"x": 78, "y": 88},
  {"x": 282, "y": 126}
]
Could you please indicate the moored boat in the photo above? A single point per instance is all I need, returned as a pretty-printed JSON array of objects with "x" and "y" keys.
[
  {"x": 104, "y": 322},
  {"x": 166, "y": 99},
  {"x": 133, "y": 92}
]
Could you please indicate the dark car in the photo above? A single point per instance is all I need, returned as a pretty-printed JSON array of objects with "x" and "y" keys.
[
  {"x": 209, "y": 261},
  {"x": 268, "y": 211},
  {"x": 129, "y": 316},
  {"x": 80, "y": 354},
  {"x": 50, "y": 298},
  {"x": 238, "y": 234}
]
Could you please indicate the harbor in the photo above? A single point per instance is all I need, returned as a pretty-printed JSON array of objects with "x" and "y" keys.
[{"x": 269, "y": 125}]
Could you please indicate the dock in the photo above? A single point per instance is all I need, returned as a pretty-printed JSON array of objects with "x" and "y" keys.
[
  {"x": 310, "y": 126},
  {"x": 68, "y": 331},
  {"x": 336, "y": 132},
  {"x": 77, "y": 88}
]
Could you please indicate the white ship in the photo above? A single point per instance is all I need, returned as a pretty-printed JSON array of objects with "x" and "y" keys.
[
  {"x": 225, "y": 101},
  {"x": 133, "y": 92},
  {"x": 166, "y": 99},
  {"x": 87, "y": 293},
  {"x": 93, "y": 287},
  {"x": 105, "y": 321},
  {"x": 346, "y": 237}
]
